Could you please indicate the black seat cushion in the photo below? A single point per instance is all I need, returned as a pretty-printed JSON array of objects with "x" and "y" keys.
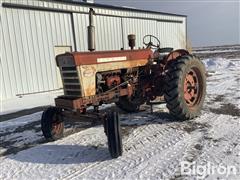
[{"x": 165, "y": 50}]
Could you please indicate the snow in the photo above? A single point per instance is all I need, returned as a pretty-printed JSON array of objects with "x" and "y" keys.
[
  {"x": 21, "y": 121},
  {"x": 224, "y": 79},
  {"x": 216, "y": 64},
  {"x": 154, "y": 144},
  {"x": 149, "y": 150},
  {"x": 215, "y": 51}
]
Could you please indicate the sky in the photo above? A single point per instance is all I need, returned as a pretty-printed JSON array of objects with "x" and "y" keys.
[{"x": 210, "y": 22}]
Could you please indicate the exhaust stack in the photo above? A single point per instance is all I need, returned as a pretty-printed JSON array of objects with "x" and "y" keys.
[{"x": 91, "y": 31}]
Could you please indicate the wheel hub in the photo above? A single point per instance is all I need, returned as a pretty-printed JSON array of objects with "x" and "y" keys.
[
  {"x": 192, "y": 91},
  {"x": 57, "y": 126}
]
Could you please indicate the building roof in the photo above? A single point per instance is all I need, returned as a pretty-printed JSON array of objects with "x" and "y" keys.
[{"x": 116, "y": 7}]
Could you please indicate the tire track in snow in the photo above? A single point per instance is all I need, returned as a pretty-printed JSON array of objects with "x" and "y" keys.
[
  {"x": 228, "y": 142},
  {"x": 152, "y": 149},
  {"x": 214, "y": 148},
  {"x": 141, "y": 149}
]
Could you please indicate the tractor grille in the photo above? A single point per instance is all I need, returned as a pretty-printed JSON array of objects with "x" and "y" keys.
[{"x": 71, "y": 82}]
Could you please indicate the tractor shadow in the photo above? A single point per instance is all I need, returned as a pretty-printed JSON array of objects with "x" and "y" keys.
[
  {"x": 146, "y": 117},
  {"x": 132, "y": 121},
  {"x": 79, "y": 154},
  {"x": 62, "y": 154}
]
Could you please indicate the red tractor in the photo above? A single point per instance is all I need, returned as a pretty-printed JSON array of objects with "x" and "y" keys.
[{"x": 129, "y": 78}]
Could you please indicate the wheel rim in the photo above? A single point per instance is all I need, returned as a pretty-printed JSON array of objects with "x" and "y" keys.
[
  {"x": 193, "y": 87},
  {"x": 57, "y": 127}
]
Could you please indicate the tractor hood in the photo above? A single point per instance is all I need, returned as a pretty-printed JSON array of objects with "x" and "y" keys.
[{"x": 99, "y": 57}]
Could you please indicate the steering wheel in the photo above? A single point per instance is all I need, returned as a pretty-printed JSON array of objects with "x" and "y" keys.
[{"x": 149, "y": 43}]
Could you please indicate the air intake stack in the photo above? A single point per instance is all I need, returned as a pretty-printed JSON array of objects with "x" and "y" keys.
[{"x": 132, "y": 41}]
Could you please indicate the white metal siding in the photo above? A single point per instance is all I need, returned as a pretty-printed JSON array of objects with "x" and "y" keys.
[
  {"x": 28, "y": 39},
  {"x": 172, "y": 34},
  {"x": 80, "y": 25},
  {"x": 2, "y": 83},
  {"x": 140, "y": 28},
  {"x": 28, "y": 58},
  {"x": 78, "y": 8},
  {"x": 108, "y": 32}
]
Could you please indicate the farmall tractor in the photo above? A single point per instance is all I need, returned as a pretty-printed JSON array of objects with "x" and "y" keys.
[{"x": 128, "y": 78}]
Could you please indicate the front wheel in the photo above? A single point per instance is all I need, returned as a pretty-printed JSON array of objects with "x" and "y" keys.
[
  {"x": 52, "y": 127},
  {"x": 113, "y": 132},
  {"x": 185, "y": 87}
]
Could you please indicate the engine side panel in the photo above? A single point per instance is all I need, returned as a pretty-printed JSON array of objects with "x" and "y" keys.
[
  {"x": 90, "y": 63},
  {"x": 88, "y": 72}
]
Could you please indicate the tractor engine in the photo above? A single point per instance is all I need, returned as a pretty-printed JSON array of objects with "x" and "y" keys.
[
  {"x": 107, "y": 80},
  {"x": 103, "y": 75}
]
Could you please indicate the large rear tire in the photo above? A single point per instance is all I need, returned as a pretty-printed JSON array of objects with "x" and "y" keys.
[
  {"x": 113, "y": 131},
  {"x": 52, "y": 127},
  {"x": 185, "y": 87}
]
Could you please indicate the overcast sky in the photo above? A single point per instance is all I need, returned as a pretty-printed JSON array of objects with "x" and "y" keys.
[{"x": 210, "y": 22}]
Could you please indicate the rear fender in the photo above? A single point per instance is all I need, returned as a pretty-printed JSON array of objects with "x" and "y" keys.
[{"x": 173, "y": 56}]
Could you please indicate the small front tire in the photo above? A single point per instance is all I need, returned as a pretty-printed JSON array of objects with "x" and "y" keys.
[
  {"x": 113, "y": 132},
  {"x": 52, "y": 127}
]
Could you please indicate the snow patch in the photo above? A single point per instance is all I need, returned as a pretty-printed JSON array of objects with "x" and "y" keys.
[
  {"x": 20, "y": 121},
  {"x": 216, "y": 64},
  {"x": 150, "y": 151}
]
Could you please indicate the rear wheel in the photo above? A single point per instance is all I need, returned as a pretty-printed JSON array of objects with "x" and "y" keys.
[
  {"x": 52, "y": 127},
  {"x": 185, "y": 87},
  {"x": 113, "y": 132}
]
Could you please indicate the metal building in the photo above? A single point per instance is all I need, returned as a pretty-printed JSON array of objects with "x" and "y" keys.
[{"x": 32, "y": 32}]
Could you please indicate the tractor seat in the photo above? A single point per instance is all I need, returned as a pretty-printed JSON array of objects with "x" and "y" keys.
[
  {"x": 163, "y": 53},
  {"x": 165, "y": 50}
]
